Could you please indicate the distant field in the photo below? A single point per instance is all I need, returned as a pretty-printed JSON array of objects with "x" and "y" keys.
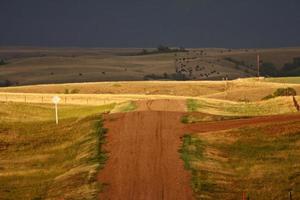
[
  {"x": 40, "y": 160},
  {"x": 27, "y": 66}
]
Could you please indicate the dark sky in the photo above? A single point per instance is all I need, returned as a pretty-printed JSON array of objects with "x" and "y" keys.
[{"x": 147, "y": 23}]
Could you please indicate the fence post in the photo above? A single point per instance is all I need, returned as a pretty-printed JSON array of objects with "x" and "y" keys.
[{"x": 291, "y": 198}]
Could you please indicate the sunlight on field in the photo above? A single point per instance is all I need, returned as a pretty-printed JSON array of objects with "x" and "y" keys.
[
  {"x": 274, "y": 106},
  {"x": 261, "y": 162},
  {"x": 248, "y": 89},
  {"x": 45, "y": 161},
  {"x": 21, "y": 112},
  {"x": 293, "y": 80},
  {"x": 40, "y": 160}
]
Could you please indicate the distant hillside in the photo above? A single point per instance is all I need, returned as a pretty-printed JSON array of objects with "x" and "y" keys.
[{"x": 25, "y": 66}]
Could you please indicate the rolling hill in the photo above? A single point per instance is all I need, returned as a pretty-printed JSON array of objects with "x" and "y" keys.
[{"x": 27, "y": 66}]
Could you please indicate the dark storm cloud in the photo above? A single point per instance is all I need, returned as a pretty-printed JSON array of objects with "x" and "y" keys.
[{"x": 141, "y": 23}]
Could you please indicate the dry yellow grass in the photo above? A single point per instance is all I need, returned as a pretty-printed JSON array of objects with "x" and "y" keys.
[
  {"x": 279, "y": 105},
  {"x": 42, "y": 160},
  {"x": 236, "y": 90}
]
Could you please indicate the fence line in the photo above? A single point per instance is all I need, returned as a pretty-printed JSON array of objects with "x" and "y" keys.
[
  {"x": 78, "y": 99},
  {"x": 65, "y": 99}
]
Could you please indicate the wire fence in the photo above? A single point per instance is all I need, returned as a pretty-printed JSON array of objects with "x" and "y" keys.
[{"x": 75, "y": 99}]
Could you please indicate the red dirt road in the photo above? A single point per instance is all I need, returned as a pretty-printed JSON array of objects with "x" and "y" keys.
[
  {"x": 237, "y": 123},
  {"x": 144, "y": 163},
  {"x": 143, "y": 160}
]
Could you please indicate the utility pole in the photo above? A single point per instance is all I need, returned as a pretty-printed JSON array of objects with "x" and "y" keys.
[
  {"x": 258, "y": 65},
  {"x": 175, "y": 62}
]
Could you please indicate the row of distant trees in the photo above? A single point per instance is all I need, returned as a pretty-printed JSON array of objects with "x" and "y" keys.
[
  {"x": 289, "y": 69},
  {"x": 5, "y": 83},
  {"x": 162, "y": 49},
  {"x": 269, "y": 68}
]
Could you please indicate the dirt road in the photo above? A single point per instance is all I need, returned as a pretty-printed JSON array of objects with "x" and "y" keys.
[{"x": 143, "y": 160}]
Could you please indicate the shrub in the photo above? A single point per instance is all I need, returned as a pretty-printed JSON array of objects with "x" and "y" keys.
[
  {"x": 285, "y": 92},
  {"x": 185, "y": 119},
  {"x": 281, "y": 92},
  {"x": 163, "y": 48},
  {"x": 66, "y": 91},
  {"x": 5, "y": 83},
  {"x": 74, "y": 91},
  {"x": 2, "y": 62}
]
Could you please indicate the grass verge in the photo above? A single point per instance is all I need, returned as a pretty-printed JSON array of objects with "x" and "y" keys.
[
  {"x": 128, "y": 106},
  {"x": 202, "y": 117},
  {"x": 41, "y": 160},
  {"x": 279, "y": 105},
  {"x": 261, "y": 161},
  {"x": 294, "y": 80}
]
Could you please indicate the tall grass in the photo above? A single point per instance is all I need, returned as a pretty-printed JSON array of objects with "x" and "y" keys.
[
  {"x": 263, "y": 162},
  {"x": 274, "y": 106},
  {"x": 41, "y": 160}
]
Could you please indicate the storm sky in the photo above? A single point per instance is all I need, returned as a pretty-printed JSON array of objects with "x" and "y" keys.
[{"x": 147, "y": 23}]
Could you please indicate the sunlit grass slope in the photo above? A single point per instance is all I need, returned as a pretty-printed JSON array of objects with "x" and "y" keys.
[
  {"x": 41, "y": 160},
  {"x": 274, "y": 106},
  {"x": 261, "y": 162},
  {"x": 294, "y": 80}
]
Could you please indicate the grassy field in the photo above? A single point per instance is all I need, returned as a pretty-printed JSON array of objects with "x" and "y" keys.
[
  {"x": 274, "y": 106},
  {"x": 262, "y": 162},
  {"x": 294, "y": 80},
  {"x": 237, "y": 90},
  {"x": 41, "y": 160},
  {"x": 69, "y": 65}
]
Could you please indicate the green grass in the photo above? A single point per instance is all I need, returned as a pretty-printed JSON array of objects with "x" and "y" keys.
[
  {"x": 263, "y": 162},
  {"x": 191, "y": 151},
  {"x": 128, "y": 106},
  {"x": 294, "y": 80},
  {"x": 41, "y": 160},
  {"x": 21, "y": 112},
  {"x": 279, "y": 105},
  {"x": 202, "y": 117},
  {"x": 192, "y": 105}
]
